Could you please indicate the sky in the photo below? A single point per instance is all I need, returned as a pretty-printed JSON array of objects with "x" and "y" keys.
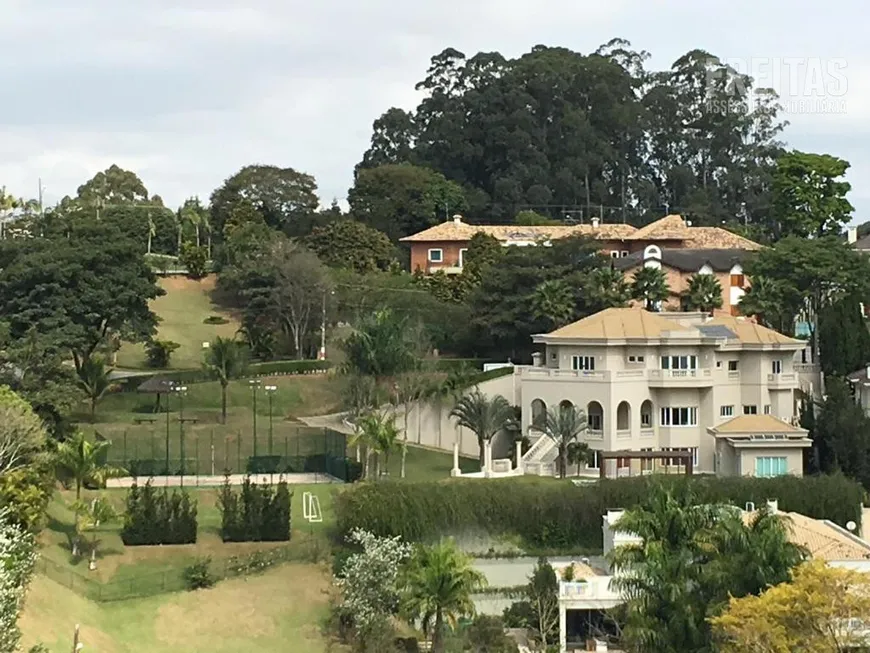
[{"x": 186, "y": 92}]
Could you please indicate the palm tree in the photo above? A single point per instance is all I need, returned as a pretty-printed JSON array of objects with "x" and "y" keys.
[
  {"x": 484, "y": 417},
  {"x": 178, "y": 218},
  {"x": 438, "y": 587},
  {"x": 89, "y": 516},
  {"x": 92, "y": 377},
  {"x": 607, "y": 288},
  {"x": 191, "y": 214},
  {"x": 81, "y": 460},
  {"x": 704, "y": 293},
  {"x": 650, "y": 285},
  {"x": 563, "y": 425},
  {"x": 377, "y": 432},
  {"x": 152, "y": 231},
  {"x": 225, "y": 358},
  {"x": 554, "y": 302},
  {"x": 767, "y": 301},
  {"x": 410, "y": 388},
  {"x": 381, "y": 346}
]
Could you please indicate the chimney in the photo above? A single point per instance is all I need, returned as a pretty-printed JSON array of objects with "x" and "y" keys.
[
  {"x": 457, "y": 219},
  {"x": 537, "y": 359},
  {"x": 595, "y": 222},
  {"x": 773, "y": 505},
  {"x": 852, "y": 235}
]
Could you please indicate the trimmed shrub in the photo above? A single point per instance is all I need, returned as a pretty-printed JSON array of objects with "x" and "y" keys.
[
  {"x": 559, "y": 516},
  {"x": 255, "y": 512},
  {"x": 158, "y": 517},
  {"x": 198, "y": 575},
  {"x": 215, "y": 319}
]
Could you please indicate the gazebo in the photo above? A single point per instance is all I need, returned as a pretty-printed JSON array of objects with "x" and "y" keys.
[{"x": 158, "y": 386}]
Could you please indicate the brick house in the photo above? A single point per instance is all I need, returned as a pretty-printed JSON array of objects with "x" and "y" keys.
[{"x": 442, "y": 247}]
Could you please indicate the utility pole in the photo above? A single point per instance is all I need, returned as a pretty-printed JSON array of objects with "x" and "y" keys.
[{"x": 322, "y": 353}]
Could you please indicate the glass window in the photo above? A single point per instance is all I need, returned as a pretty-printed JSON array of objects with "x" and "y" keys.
[
  {"x": 436, "y": 255},
  {"x": 750, "y": 410},
  {"x": 726, "y": 411},
  {"x": 776, "y": 366},
  {"x": 767, "y": 466},
  {"x": 732, "y": 366},
  {"x": 679, "y": 416},
  {"x": 583, "y": 362},
  {"x": 595, "y": 462}
]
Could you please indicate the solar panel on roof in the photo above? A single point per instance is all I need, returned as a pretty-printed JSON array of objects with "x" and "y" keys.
[{"x": 716, "y": 331}]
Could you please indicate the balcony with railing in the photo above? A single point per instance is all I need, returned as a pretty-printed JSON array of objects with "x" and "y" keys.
[
  {"x": 681, "y": 378},
  {"x": 590, "y": 593},
  {"x": 782, "y": 381}
]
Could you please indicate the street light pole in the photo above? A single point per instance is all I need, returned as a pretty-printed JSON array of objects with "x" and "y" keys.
[
  {"x": 168, "y": 395},
  {"x": 255, "y": 383},
  {"x": 270, "y": 390},
  {"x": 182, "y": 390}
]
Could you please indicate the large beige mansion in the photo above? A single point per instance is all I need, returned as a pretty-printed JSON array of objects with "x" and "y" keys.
[{"x": 722, "y": 387}]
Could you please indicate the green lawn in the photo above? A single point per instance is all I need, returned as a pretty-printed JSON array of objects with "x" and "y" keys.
[
  {"x": 278, "y": 611},
  {"x": 182, "y": 311}
]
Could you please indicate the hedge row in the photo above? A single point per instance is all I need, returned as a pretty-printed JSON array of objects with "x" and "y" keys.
[
  {"x": 157, "y": 517},
  {"x": 559, "y": 516}
]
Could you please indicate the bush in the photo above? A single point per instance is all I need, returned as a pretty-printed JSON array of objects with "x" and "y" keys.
[
  {"x": 559, "y": 516},
  {"x": 255, "y": 513},
  {"x": 158, "y": 352},
  {"x": 215, "y": 319},
  {"x": 195, "y": 259},
  {"x": 198, "y": 575},
  {"x": 154, "y": 517}
]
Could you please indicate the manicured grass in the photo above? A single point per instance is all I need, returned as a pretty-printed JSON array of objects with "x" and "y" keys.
[
  {"x": 182, "y": 311},
  {"x": 143, "y": 564},
  {"x": 274, "y": 612}
]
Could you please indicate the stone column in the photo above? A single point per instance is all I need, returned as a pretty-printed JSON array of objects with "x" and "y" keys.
[
  {"x": 455, "y": 471},
  {"x": 519, "y": 467},
  {"x": 563, "y": 635}
]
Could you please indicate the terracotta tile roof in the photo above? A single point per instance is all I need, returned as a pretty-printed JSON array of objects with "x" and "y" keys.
[
  {"x": 750, "y": 332},
  {"x": 823, "y": 540},
  {"x": 717, "y": 238},
  {"x": 670, "y": 227},
  {"x": 767, "y": 424},
  {"x": 619, "y": 324},
  {"x": 462, "y": 231}
]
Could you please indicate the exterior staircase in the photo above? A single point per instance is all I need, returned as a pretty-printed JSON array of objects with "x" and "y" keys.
[{"x": 540, "y": 459}]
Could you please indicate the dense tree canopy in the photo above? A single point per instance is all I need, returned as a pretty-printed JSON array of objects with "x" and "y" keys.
[
  {"x": 352, "y": 245},
  {"x": 561, "y": 131}
]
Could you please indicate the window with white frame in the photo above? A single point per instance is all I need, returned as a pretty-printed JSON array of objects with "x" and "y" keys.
[
  {"x": 635, "y": 359},
  {"x": 614, "y": 254},
  {"x": 732, "y": 366},
  {"x": 679, "y": 461},
  {"x": 750, "y": 410},
  {"x": 646, "y": 464},
  {"x": 593, "y": 421},
  {"x": 726, "y": 411},
  {"x": 462, "y": 256},
  {"x": 679, "y": 362},
  {"x": 767, "y": 466},
  {"x": 767, "y": 409},
  {"x": 436, "y": 255},
  {"x": 624, "y": 253},
  {"x": 594, "y": 459},
  {"x": 646, "y": 416},
  {"x": 679, "y": 416},
  {"x": 776, "y": 366},
  {"x": 583, "y": 363}
]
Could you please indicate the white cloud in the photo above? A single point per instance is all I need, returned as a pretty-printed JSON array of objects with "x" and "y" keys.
[{"x": 187, "y": 91}]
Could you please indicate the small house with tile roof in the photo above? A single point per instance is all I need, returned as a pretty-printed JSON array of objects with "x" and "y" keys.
[
  {"x": 442, "y": 247},
  {"x": 717, "y": 386}
]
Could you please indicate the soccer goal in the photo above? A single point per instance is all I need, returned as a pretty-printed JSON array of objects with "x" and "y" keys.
[{"x": 311, "y": 508}]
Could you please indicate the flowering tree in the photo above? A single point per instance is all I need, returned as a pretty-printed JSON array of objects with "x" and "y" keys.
[
  {"x": 17, "y": 558},
  {"x": 369, "y": 579}
]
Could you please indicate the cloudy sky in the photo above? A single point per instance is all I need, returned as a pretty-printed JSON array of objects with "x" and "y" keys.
[{"x": 186, "y": 92}]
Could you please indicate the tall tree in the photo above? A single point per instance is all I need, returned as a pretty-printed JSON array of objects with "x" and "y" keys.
[
  {"x": 78, "y": 291},
  {"x": 392, "y": 140},
  {"x": 225, "y": 358},
  {"x": 285, "y": 198},
  {"x": 485, "y": 417},
  {"x": 650, "y": 286},
  {"x": 403, "y": 199},
  {"x": 114, "y": 185},
  {"x": 704, "y": 293},
  {"x": 563, "y": 425},
  {"x": 772, "y": 302},
  {"x": 352, "y": 245},
  {"x": 438, "y": 589},
  {"x": 809, "y": 195},
  {"x": 844, "y": 339},
  {"x": 22, "y": 435},
  {"x": 606, "y": 288},
  {"x": 376, "y": 430},
  {"x": 841, "y": 434}
]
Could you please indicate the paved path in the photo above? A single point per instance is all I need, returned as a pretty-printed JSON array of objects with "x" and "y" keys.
[
  {"x": 333, "y": 421},
  {"x": 216, "y": 481}
]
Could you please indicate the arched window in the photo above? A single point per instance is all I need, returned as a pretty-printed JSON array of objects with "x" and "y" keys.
[
  {"x": 565, "y": 405},
  {"x": 595, "y": 416},
  {"x": 539, "y": 412},
  {"x": 623, "y": 416},
  {"x": 646, "y": 413}
]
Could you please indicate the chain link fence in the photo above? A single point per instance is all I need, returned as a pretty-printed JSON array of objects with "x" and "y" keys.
[
  {"x": 144, "y": 452},
  {"x": 172, "y": 579}
]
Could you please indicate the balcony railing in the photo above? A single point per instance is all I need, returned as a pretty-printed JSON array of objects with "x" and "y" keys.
[
  {"x": 623, "y": 433},
  {"x": 781, "y": 379},
  {"x": 594, "y": 588}
]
